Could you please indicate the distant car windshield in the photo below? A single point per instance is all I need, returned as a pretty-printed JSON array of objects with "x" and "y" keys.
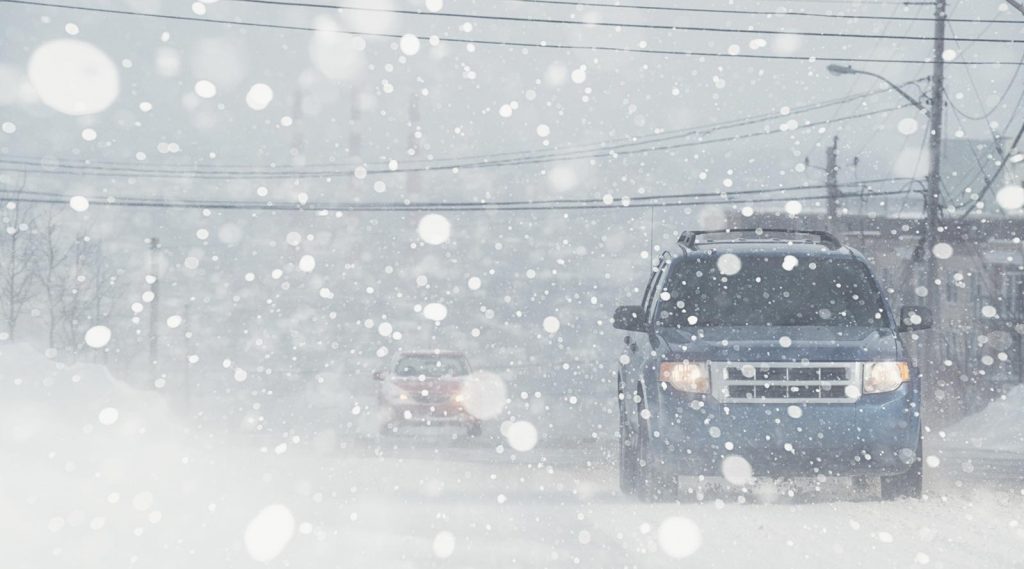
[
  {"x": 431, "y": 366},
  {"x": 776, "y": 290}
]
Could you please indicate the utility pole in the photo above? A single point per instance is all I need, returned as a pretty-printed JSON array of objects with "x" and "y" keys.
[
  {"x": 188, "y": 353},
  {"x": 832, "y": 182},
  {"x": 933, "y": 185},
  {"x": 831, "y": 170},
  {"x": 154, "y": 308},
  {"x": 298, "y": 151},
  {"x": 413, "y": 178},
  {"x": 355, "y": 115},
  {"x": 930, "y": 354}
]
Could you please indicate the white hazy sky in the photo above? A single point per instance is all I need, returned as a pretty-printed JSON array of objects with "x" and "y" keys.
[{"x": 478, "y": 99}]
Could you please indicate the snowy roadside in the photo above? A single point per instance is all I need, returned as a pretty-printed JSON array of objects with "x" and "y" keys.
[{"x": 992, "y": 439}]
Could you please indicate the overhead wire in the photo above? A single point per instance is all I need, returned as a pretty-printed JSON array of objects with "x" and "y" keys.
[
  {"x": 979, "y": 172},
  {"x": 853, "y": 84},
  {"x": 604, "y": 145},
  {"x": 321, "y": 207},
  {"x": 862, "y": 195},
  {"x": 590, "y": 23},
  {"x": 960, "y": 115},
  {"x": 995, "y": 176},
  {"x": 977, "y": 93},
  {"x": 641, "y": 198},
  {"x": 86, "y": 169},
  {"x": 614, "y": 143},
  {"x": 749, "y": 12},
  {"x": 499, "y": 43},
  {"x": 985, "y": 115}
]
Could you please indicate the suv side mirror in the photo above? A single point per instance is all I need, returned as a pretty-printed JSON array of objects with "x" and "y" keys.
[
  {"x": 630, "y": 318},
  {"x": 378, "y": 375},
  {"x": 915, "y": 318}
]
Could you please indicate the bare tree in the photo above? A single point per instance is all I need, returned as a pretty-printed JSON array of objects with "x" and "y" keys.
[
  {"x": 93, "y": 286},
  {"x": 53, "y": 271},
  {"x": 16, "y": 260},
  {"x": 108, "y": 285}
]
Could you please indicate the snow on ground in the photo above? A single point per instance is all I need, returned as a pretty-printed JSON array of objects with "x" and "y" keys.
[
  {"x": 85, "y": 487},
  {"x": 997, "y": 427}
]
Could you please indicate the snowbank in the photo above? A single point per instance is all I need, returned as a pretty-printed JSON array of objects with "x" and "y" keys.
[
  {"x": 89, "y": 462},
  {"x": 998, "y": 427},
  {"x": 47, "y": 402}
]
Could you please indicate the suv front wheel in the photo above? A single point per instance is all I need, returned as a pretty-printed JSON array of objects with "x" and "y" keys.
[
  {"x": 908, "y": 484},
  {"x": 628, "y": 459},
  {"x": 652, "y": 483}
]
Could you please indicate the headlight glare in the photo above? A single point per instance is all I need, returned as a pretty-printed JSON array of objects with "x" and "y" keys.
[
  {"x": 882, "y": 377},
  {"x": 685, "y": 376},
  {"x": 392, "y": 393}
]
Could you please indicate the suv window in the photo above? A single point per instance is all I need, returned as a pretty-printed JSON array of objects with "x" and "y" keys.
[
  {"x": 657, "y": 275},
  {"x": 771, "y": 291},
  {"x": 431, "y": 366}
]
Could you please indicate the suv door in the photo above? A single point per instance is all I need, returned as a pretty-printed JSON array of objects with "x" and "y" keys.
[{"x": 638, "y": 349}]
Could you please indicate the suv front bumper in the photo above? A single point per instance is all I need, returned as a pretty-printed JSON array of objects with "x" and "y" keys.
[{"x": 879, "y": 434}]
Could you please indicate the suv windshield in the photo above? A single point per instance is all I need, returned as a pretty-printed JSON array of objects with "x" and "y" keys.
[
  {"x": 431, "y": 366},
  {"x": 777, "y": 290}
]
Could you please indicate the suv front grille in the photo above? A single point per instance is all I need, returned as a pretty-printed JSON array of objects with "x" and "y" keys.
[{"x": 786, "y": 382}]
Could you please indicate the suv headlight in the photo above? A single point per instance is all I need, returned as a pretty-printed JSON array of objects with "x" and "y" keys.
[
  {"x": 882, "y": 377},
  {"x": 689, "y": 377}
]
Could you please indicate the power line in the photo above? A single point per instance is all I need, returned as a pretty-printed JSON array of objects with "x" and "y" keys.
[
  {"x": 611, "y": 144},
  {"x": 995, "y": 137},
  {"x": 520, "y": 44},
  {"x": 631, "y": 140},
  {"x": 977, "y": 92},
  {"x": 773, "y": 13},
  {"x": 995, "y": 176},
  {"x": 627, "y": 25},
  {"x": 86, "y": 169},
  {"x": 608, "y": 200},
  {"x": 853, "y": 84},
  {"x": 981, "y": 171},
  {"x": 328, "y": 207}
]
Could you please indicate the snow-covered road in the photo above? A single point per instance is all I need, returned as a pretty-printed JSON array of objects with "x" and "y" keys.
[
  {"x": 97, "y": 474},
  {"x": 428, "y": 502}
]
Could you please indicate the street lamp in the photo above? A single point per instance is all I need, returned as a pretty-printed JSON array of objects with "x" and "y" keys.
[
  {"x": 836, "y": 69},
  {"x": 933, "y": 184}
]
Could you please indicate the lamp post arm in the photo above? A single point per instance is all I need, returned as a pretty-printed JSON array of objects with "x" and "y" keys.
[{"x": 896, "y": 88}]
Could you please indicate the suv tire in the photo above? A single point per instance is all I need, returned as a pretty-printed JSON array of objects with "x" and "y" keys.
[
  {"x": 653, "y": 484},
  {"x": 908, "y": 484},
  {"x": 628, "y": 459}
]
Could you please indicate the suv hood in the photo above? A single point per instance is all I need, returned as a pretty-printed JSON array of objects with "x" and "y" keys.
[{"x": 765, "y": 343}]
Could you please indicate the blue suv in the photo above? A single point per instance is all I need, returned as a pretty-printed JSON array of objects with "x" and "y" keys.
[{"x": 771, "y": 349}]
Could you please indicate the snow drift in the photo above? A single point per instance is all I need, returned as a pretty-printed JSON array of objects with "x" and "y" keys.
[{"x": 998, "y": 427}]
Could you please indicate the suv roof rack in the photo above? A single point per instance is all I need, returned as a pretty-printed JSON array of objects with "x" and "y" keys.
[{"x": 688, "y": 239}]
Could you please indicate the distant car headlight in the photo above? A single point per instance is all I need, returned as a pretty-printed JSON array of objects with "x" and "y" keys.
[
  {"x": 689, "y": 377},
  {"x": 882, "y": 377},
  {"x": 393, "y": 393}
]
